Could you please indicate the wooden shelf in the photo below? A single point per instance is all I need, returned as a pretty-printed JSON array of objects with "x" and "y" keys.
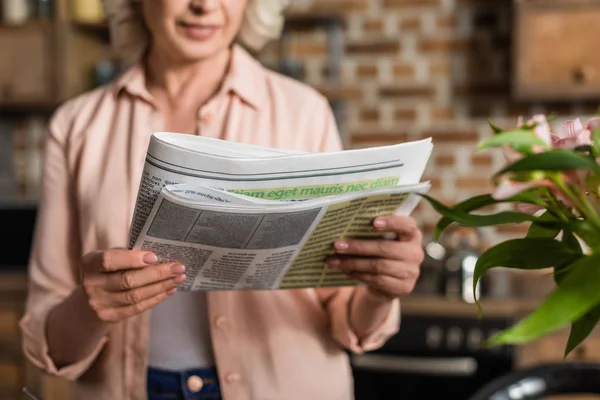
[
  {"x": 27, "y": 25},
  {"x": 26, "y": 106},
  {"x": 442, "y": 307},
  {"x": 100, "y": 29}
]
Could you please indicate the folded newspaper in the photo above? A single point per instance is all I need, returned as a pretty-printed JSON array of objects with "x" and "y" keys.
[{"x": 245, "y": 217}]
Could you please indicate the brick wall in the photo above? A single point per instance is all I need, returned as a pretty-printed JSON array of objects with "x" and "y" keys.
[{"x": 418, "y": 68}]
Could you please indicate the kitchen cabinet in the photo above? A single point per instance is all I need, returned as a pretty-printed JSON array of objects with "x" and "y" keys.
[
  {"x": 555, "y": 53},
  {"x": 26, "y": 64},
  {"x": 16, "y": 372}
]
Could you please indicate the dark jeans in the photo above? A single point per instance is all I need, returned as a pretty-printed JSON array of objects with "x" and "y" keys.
[{"x": 169, "y": 385}]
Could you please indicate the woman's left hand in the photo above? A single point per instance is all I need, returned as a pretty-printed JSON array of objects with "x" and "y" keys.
[{"x": 388, "y": 267}]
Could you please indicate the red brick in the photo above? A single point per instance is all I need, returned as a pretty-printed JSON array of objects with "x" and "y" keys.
[
  {"x": 480, "y": 185},
  {"x": 411, "y": 24},
  {"x": 451, "y": 136},
  {"x": 335, "y": 6},
  {"x": 442, "y": 113},
  {"x": 369, "y": 115},
  {"x": 336, "y": 92},
  {"x": 481, "y": 160},
  {"x": 441, "y": 67},
  {"x": 373, "y": 26},
  {"x": 446, "y": 21},
  {"x": 363, "y": 137},
  {"x": 308, "y": 48},
  {"x": 373, "y": 47},
  {"x": 403, "y": 4},
  {"x": 403, "y": 70},
  {"x": 443, "y": 44},
  {"x": 402, "y": 114},
  {"x": 406, "y": 91},
  {"x": 366, "y": 71},
  {"x": 444, "y": 160}
]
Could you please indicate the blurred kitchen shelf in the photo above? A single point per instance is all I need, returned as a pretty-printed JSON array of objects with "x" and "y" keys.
[
  {"x": 27, "y": 106},
  {"x": 440, "y": 306},
  {"x": 27, "y": 25},
  {"x": 99, "y": 29}
]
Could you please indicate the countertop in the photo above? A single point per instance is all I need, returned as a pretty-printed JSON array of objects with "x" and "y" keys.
[{"x": 439, "y": 306}]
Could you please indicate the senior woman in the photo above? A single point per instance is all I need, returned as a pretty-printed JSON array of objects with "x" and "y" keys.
[{"x": 111, "y": 319}]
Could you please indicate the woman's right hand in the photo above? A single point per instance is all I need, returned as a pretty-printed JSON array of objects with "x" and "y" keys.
[{"x": 121, "y": 283}]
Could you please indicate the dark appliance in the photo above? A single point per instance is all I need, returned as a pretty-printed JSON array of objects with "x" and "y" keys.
[
  {"x": 433, "y": 358},
  {"x": 543, "y": 381},
  {"x": 17, "y": 224}
]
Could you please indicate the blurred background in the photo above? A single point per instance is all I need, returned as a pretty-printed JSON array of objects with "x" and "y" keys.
[{"x": 393, "y": 70}]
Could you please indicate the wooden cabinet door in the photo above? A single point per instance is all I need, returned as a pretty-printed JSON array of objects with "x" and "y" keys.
[
  {"x": 26, "y": 67},
  {"x": 556, "y": 53}
]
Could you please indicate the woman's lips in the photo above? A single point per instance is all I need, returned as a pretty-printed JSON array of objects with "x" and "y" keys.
[{"x": 198, "y": 32}]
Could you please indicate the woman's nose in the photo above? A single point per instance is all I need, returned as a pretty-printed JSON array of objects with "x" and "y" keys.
[{"x": 204, "y": 6}]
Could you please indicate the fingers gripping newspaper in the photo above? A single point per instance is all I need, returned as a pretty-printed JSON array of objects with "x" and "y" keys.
[{"x": 244, "y": 217}]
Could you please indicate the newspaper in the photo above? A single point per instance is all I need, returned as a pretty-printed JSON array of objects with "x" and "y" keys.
[{"x": 245, "y": 217}]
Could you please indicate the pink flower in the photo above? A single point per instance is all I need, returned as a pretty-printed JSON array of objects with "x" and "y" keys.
[
  {"x": 572, "y": 134},
  {"x": 509, "y": 188},
  {"x": 593, "y": 123},
  {"x": 541, "y": 129}
]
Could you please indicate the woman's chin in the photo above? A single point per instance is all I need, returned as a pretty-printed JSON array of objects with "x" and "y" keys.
[{"x": 197, "y": 51}]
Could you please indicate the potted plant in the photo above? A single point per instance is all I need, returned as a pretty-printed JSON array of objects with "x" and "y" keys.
[{"x": 552, "y": 177}]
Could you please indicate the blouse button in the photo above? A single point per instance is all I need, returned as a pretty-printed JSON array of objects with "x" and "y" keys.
[
  {"x": 195, "y": 383},
  {"x": 207, "y": 117},
  {"x": 221, "y": 322}
]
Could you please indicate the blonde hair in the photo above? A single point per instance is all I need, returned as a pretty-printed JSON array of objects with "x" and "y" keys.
[{"x": 262, "y": 22}]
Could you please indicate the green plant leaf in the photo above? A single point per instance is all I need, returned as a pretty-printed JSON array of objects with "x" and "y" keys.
[
  {"x": 520, "y": 140},
  {"x": 561, "y": 270},
  {"x": 477, "y": 202},
  {"x": 595, "y": 141},
  {"x": 528, "y": 253},
  {"x": 495, "y": 128},
  {"x": 586, "y": 231},
  {"x": 552, "y": 160},
  {"x": 474, "y": 221},
  {"x": 542, "y": 231},
  {"x": 577, "y": 294},
  {"x": 582, "y": 328}
]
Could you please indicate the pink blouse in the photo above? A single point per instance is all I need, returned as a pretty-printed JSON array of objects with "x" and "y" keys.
[{"x": 277, "y": 345}]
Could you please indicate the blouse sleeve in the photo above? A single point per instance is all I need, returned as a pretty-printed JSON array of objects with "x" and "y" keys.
[
  {"x": 337, "y": 301},
  {"x": 55, "y": 254}
]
